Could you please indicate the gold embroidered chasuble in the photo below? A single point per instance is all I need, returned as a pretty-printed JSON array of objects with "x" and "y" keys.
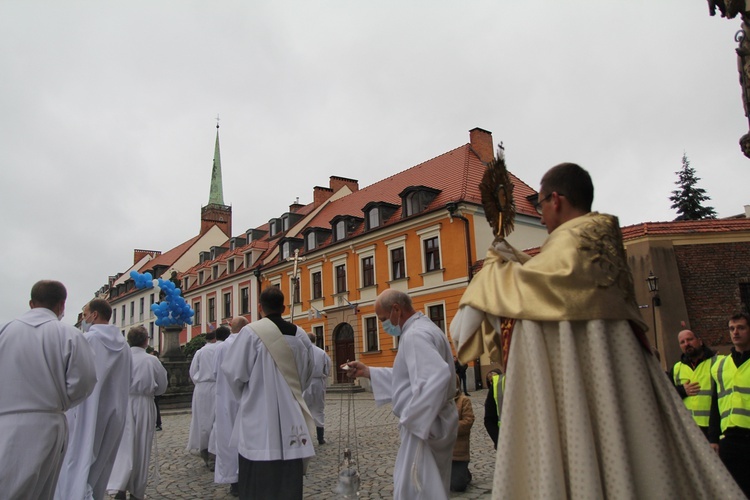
[{"x": 580, "y": 274}]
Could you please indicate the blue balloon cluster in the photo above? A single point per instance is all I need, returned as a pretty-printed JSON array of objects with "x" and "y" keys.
[
  {"x": 173, "y": 310},
  {"x": 145, "y": 280}
]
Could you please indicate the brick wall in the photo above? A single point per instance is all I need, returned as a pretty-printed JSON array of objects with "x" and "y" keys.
[{"x": 710, "y": 276}]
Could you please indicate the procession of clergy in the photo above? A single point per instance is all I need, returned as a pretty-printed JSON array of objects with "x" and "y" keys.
[{"x": 588, "y": 411}]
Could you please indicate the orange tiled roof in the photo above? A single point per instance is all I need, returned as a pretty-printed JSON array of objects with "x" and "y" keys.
[
  {"x": 170, "y": 257},
  {"x": 456, "y": 174}
]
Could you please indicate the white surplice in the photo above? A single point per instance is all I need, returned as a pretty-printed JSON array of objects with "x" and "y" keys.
[
  {"x": 149, "y": 379},
  {"x": 226, "y": 468},
  {"x": 47, "y": 367},
  {"x": 421, "y": 386},
  {"x": 96, "y": 425},
  {"x": 203, "y": 375},
  {"x": 270, "y": 424},
  {"x": 315, "y": 394}
]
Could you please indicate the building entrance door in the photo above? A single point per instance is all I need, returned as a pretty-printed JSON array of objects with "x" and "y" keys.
[{"x": 343, "y": 338}]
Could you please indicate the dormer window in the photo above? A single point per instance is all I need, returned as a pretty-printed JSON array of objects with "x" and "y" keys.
[
  {"x": 373, "y": 218},
  {"x": 344, "y": 225},
  {"x": 415, "y": 199},
  {"x": 274, "y": 226},
  {"x": 340, "y": 230},
  {"x": 288, "y": 246},
  {"x": 377, "y": 213},
  {"x": 310, "y": 240},
  {"x": 285, "y": 223},
  {"x": 315, "y": 237}
]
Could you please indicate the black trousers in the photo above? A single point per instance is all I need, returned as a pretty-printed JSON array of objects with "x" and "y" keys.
[
  {"x": 274, "y": 479},
  {"x": 735, "y": 453}
]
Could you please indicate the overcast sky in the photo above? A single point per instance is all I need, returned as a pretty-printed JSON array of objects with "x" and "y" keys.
[{"x": 108, "y": 109}]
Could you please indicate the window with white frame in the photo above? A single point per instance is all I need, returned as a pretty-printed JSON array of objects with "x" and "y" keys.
[
  {"x": 430, "y": 241},
  {"x": 244, "y": 300},
  {"x": 368, "y": 271},
  {"x": 317, "y": 284},
  {"x": 340, "y": 271},
  {"x": 436, "y": 313},
  {"x": 211, "y": 310},
  {"x": 398, "y": 263},
  {"x": 227, "y": 305},
  {"x": 371, "y": 334},
  {"x": 319, "y": 336},
  {"x": 431, "y": 254},
  {"x": 294, "y": 290}
]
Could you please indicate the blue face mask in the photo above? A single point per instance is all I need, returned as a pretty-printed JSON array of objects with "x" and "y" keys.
[{"x": 390, "y": 328}]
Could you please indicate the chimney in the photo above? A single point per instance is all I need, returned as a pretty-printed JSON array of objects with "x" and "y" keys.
[
  {"x": 481, "y": 143},
  {"x": 294, "y": 207},
  {"x": 139, "y": 254},
  {"x": 320, "y": 195},
  {"x": 337, "y": 183}
]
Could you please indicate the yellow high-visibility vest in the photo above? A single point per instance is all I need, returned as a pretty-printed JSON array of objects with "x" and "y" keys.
[
  {"x": 498, "y": 396},
  {"x": 700, "y": 404},
  {"x": 733, "y": 389}
]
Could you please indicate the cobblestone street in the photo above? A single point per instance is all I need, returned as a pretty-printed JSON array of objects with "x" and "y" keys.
[{"x": 184, "y": 476}]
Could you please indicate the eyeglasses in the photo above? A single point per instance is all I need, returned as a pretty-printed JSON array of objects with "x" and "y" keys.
[{"x": 538, "y": 204}]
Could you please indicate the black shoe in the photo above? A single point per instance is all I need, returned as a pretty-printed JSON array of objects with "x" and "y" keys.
[
  {"x": 467, "y": 394},
  {"x": 234, "y": 489},
  {"x": 322, "y": 441},
  {"x": 158, "y": 427},
  {"x": 120, "y": 495}
]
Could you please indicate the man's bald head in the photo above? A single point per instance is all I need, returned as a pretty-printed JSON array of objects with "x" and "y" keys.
[{"x": 238, "y": 324}]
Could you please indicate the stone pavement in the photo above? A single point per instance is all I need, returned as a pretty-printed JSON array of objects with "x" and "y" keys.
[{"x": 184, "y": 476}]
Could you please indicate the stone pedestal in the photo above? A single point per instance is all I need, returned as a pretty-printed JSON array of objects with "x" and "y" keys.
[
  {"x": 179, "y": 392},
  {"x": 170, "y": 350}
]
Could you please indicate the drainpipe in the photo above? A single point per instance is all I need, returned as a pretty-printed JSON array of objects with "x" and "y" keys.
[
  {"x": 257, "y": 273},
  {"x": 453, "y": 212}
]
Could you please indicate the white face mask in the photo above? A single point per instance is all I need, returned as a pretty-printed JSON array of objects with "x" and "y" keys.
[
  {"x": 85, "y": 326},
  {"x": 61, "y": 315}
]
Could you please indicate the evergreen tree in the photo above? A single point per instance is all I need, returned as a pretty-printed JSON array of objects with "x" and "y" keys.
[{"x": 688, "y": 199}]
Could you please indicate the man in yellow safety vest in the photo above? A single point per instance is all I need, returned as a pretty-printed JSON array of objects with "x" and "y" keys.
[
  {"x": 731, "y": 375},
  {"x": 692, "y": 377}
]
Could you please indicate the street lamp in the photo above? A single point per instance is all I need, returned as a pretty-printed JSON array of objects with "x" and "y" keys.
[{"x": 653, "y": 287}]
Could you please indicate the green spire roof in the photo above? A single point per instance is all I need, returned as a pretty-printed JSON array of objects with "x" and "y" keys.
[{"x": 216, "y": 196}]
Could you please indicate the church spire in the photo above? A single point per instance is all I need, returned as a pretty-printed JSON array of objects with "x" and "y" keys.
[
  {"x": 216, "y": 195},
  {"x": 216, "y": 213}
]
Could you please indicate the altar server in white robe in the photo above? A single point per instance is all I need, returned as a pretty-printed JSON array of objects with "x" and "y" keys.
[
  {"x": 273, "y": 437},
  {"x": 202, "y": 373},
  {"x": 315, "y": 395},
  {"x": 46, "y": 368},
  {"x": 421, "y": 386},
  {"x": 149, "y": 379},
  {"x": 226, "y": 467},
  {"x": 97, "y": 424}
]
